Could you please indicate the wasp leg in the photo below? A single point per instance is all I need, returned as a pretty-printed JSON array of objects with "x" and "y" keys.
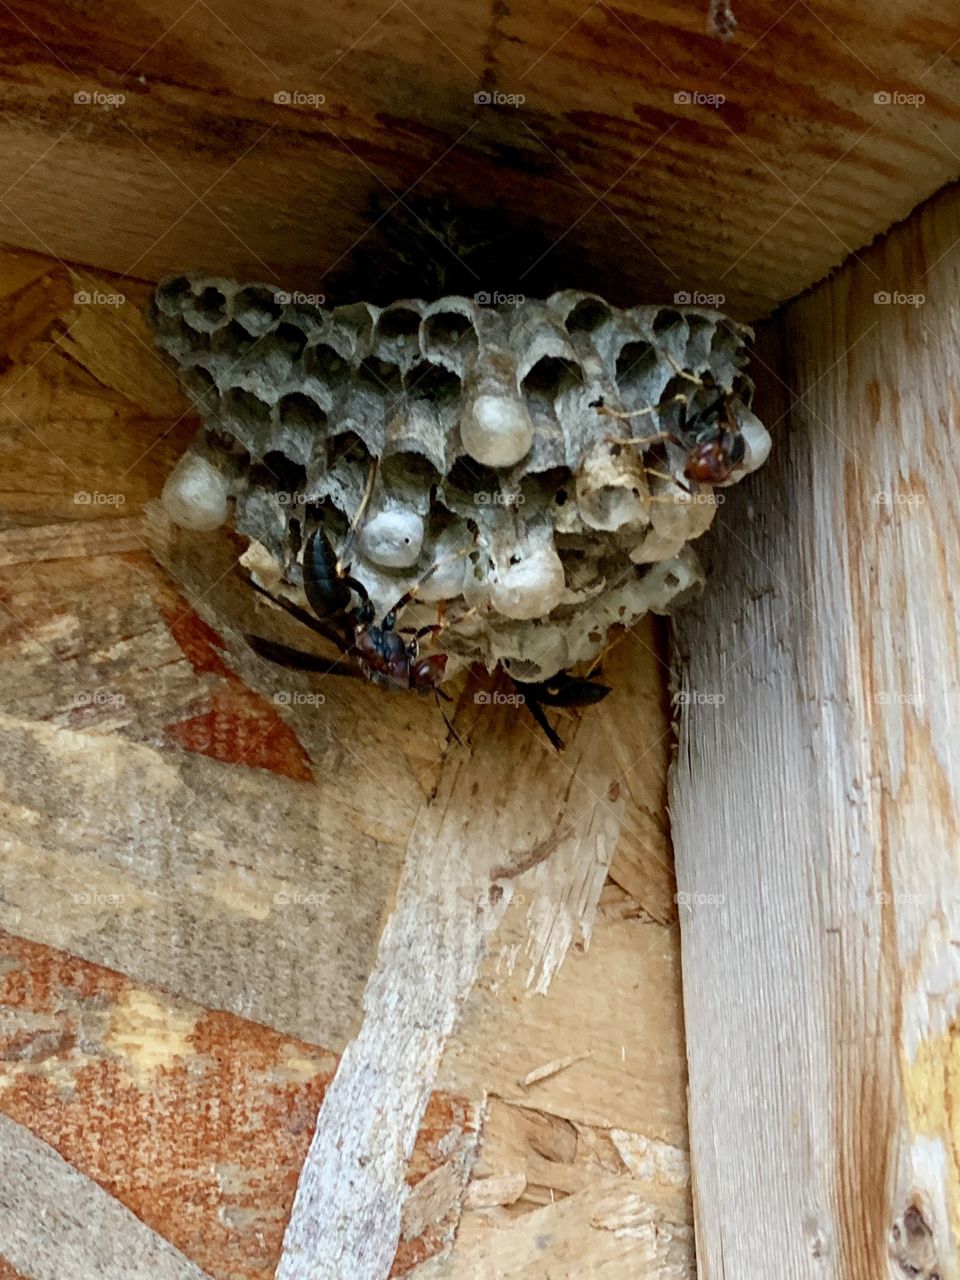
[
  {"x": 682, "y": 373},
  {"x": 286, "y": 656},
  {"x": 625, "y": 414},
  {"x": 666, "y": 497},
  {"x": 446, "y": 719},
  {"x": 342, "y": 639},
  {"x": 536, "y": 710},
  {"x": 642, "y": 442},
  {"x": 410, "y": 595}
]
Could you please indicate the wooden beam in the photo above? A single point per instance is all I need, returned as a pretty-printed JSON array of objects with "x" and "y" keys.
[
  {"x": 55, "y": 1224},
  {"x": 816, "y": 797},
  {"x": 653, "y": 157},
  {"x": 504, "y": 805}
]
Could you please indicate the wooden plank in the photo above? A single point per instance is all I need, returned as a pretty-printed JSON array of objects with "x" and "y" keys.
[
  {"x": 614, "y": 1228},
  {"x": 621, "y": 138},
  {"x": 71, "y": 539},
  {"x": 456, "y": 884},
  {"x": 55, "y": 1223},
  {"x": 616, "y": 1002},
  {"x": 250, "y": 853},
  {"x": 816, "y": 798},
  {"x": 196, "y": 1120}
]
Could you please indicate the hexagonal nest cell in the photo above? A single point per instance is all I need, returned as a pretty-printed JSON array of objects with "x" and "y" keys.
[{"x": 477, "y": 453}]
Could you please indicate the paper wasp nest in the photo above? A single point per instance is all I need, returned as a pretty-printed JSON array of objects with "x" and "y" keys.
[{"x": 496, "y": 468}]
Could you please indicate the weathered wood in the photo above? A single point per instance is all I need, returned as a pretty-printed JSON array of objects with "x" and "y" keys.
[
  {"x": 615, "y": 1228},
  {"x": 501, "y": 809},
  {"x": 249, "y": 852},
  {"x": 55, "y": 1223},
  {"x": 816, "y": 798},
  {"x": 753, "y": 198},
  {"x": 196, "y": 1120},
  {"x": 71, "y": 539}
]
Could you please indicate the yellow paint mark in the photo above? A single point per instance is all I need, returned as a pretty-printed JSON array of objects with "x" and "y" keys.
[
  {"x": 238, "y": 891},
  {"x": 147, "y": 1035},
  {"x": 932, "y": 1087},
  {"x": 299, "y": 1068}
]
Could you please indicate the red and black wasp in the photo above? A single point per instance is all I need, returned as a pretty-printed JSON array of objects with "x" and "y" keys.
[
  {"x": 383, "y": 656},
  {"x": 711, "y": 436}
]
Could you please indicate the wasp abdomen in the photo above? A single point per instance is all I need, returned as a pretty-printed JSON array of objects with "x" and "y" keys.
[{"x": 323, "y": 586}]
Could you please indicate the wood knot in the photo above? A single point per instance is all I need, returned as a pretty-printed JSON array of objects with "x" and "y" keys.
[{"x": 912, "y": 1246}]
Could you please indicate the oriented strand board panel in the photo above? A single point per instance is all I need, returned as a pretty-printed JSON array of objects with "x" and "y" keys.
[
  {"x": 196, "y": 1121},
  {"x": 196, "y": 879},
  {"x": 816, "y": 799},
  {"x": 151, "y": 138}
]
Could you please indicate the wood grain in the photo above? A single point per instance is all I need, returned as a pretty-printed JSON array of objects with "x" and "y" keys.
[
  {"x": 631, "y": 190},
  {"x": 816, "y": 797},
  {"x": 196, "y": 1120},
  {"x": 500, "y": 809},
  {"x": 207, "y": 870},
  {"x": 56, "y": 1223}
]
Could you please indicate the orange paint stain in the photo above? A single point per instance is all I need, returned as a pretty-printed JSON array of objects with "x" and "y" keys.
[
  {"x": 204, "y": 1145},
  {"x": 233, "y": 723}
]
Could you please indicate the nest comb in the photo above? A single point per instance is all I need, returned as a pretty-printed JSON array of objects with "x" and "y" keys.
[{"x": 495, "y": 485}]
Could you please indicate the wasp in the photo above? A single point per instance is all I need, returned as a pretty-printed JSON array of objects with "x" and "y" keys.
[
  {"x": 711, "y": 437},
  {"x": 561, "y": 690},
  {"x": 383, "y": 656},
  {"x": 342, "y": 612}
]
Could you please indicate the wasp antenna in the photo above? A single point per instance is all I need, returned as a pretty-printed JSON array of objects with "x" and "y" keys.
[
  {"x": 680, "y": 372},
  {"x": 359, "y": 513}
]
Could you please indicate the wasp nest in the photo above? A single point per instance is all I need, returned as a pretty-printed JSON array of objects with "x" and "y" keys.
[{"x": 497, "y": 484}]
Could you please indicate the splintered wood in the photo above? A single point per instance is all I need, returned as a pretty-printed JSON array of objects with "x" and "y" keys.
[
  {"x": 213, "y": 889},
  {"x": 453, "y": 892},
  {"x": 816, "y": 798}
]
